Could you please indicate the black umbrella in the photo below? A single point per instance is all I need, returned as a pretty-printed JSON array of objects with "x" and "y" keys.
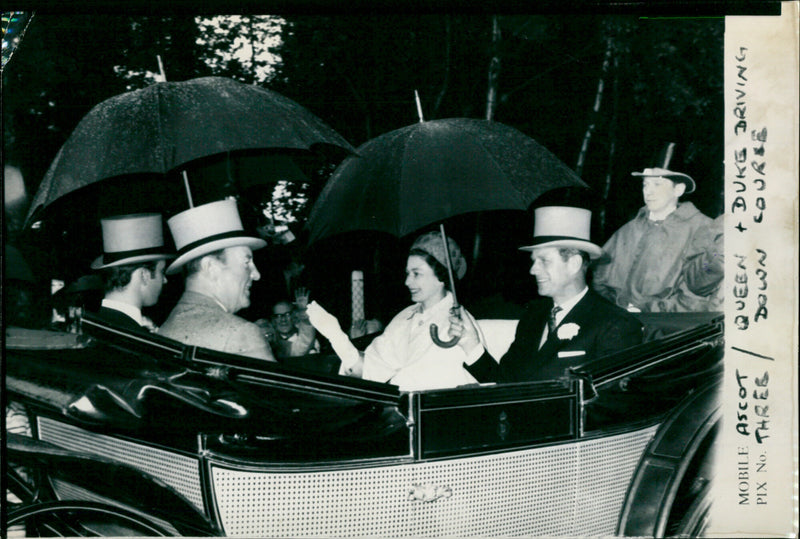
[
  {"x": 425, "y": 173},
  {"x": 160, "y": 128},
  {"x": 412, "y": 177}
]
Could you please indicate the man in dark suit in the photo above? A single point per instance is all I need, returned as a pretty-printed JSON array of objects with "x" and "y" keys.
[
  {"x": 571, "y": 324},
  {"x": 132, "y": 267}
]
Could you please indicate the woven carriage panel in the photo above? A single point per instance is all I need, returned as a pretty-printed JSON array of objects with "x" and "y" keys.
[
  {"x": 178, "y": 471},
  {"x": 567, "y": 489}
]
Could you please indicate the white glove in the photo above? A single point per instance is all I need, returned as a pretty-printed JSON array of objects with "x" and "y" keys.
[{"x": 329, "y": 327}]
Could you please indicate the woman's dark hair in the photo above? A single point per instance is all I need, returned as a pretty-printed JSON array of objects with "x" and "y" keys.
[{"x": 438, "y": 269}]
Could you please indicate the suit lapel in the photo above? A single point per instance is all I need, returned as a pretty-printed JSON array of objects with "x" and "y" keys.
[
  {"x": 538, "y": 324},
  {"x": 581, "y": 314},
  {"x": 578, "y": 315}
]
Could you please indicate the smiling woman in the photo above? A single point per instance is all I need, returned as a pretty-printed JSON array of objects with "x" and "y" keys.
[{"x": 405, "y": 354}]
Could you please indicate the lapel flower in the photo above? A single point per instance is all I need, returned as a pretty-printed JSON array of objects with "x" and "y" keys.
[{"x": 567, "y": 331}]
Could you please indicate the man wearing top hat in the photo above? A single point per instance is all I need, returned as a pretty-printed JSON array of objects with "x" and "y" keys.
[
  {"x": 649, "y": 254},
  {"x": 132, "y": 268},
  {"x": 216, "y": 256},
  {"x": 570, "y": 324}
]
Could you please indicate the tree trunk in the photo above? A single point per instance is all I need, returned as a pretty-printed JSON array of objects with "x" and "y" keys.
[
  {"x": 491, "y": 107},
  {"x": 447, "y": 62},
  {"x": 612, "y": 137},
  {"x": 494, "y": 70},
  {"x": 598, "y": 100}
]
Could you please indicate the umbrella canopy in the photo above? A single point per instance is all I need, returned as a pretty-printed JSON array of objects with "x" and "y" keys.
[
  {"x": 412, "y": 177},
  {"x": 168, "y": 124}
]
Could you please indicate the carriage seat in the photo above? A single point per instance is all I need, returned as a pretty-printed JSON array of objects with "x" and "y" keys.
[{"x": 497, "y": 335}]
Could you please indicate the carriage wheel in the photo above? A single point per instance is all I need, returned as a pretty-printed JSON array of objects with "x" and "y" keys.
[{"x": 80, "y": 519}]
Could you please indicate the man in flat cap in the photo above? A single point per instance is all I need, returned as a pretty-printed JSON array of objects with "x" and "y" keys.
[
  {"x": 217, "y": 258},
  {"x": 571, "y": 324},
  {"x": 649, "y": 255},
  {"x": 132, "y": 268}
]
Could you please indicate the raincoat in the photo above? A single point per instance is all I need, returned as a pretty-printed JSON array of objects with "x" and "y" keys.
[{"x": 647, "y": 261}]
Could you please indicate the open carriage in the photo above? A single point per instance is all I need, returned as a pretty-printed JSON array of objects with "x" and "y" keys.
[
  {"x": 123, "y": 433},
  {"x": 132, "y": 433}
]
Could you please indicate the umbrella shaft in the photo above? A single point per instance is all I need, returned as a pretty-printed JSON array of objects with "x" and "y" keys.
[{"x": 449, "y": 266}]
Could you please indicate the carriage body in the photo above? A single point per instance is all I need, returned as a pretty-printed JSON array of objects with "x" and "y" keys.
[{"x": 134, "y": 433}]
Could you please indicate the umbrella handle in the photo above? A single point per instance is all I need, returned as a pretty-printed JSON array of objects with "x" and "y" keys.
[
  {"x": 440, "y": 343},
  {"x": 434, "y": 329}
]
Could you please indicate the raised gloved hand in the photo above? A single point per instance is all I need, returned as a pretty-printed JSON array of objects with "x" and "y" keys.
[
  {"x": 323, "y": 321},
  {"x": 301, "y": 298},
  {"x": 328, "y": 325}
]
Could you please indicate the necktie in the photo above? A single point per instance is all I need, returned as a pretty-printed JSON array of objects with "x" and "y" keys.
[{"x": 551, "y": 323}]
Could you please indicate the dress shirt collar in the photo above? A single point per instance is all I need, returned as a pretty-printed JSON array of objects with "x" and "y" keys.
[
  {"x": 288, "y": 335},
  {"x": 567, "y": 306},
  {"x": 126, "y": 308},
  {"x": 218, "y": 302}
]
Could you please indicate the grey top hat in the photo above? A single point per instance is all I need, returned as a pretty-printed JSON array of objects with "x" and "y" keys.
[
  {"x": 131, "y": 239},
  {"x": 204, "y": 229},
  {"x": 563, "y": 226},
  {"x": 663, "y": 159}
]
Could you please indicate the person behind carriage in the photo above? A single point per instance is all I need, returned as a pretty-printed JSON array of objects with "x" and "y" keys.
[
  {"x": 132, "y": 268},
  {"x": 571, "y": 324},
  {"x": 288, "y": 330},
  {"x": 651, "y": 254}
]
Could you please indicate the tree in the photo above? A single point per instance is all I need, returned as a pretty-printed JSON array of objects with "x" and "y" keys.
[
  {"x": 359, "y": 73},
  {"x": 241, "y": 46},
  {"x": 668, "y": 80},
  {"x": 494, "y": 71}
]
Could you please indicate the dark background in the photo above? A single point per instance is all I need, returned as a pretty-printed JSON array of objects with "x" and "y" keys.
[{"x": 662, "y": 81}]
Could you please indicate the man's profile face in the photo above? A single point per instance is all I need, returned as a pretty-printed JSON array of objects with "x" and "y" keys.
[
  {"x": 282, "y": 318},
  {"x": 551, "y": 271},
  {"x": 660, "y": 193},
  {"x": 154, "y": 284},
  {"x": 238, "y": 271}
]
